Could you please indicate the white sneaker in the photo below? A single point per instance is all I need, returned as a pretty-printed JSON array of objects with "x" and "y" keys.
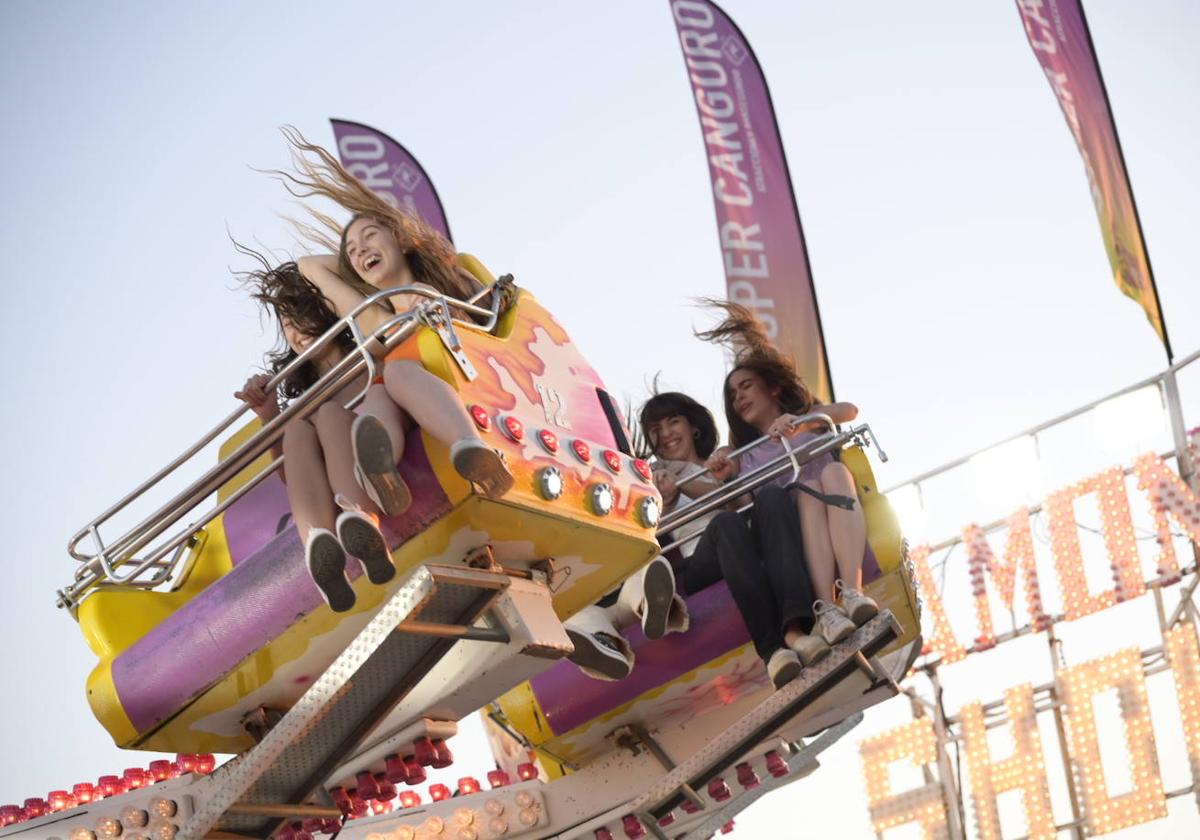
[
  {"x": 360, "y": 536},
  {"x": 599, "y": 655},
  {"x": 783, "y": 667},
  {"x": 810, "y": 649},
  {"x": 375, "y": 466},
  {"x": 658, "y": 594},
  {"x": 856, "y": 605},
  {"x": 833, "y": 624},
  {"x": 326, "y": 560},
  {"x": 479, "y": 464}
]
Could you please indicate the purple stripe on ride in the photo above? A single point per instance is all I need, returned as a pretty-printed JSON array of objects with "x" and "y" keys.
[
  {"x": 246, "y": 609},
  {"x": 569, "y": 698}
]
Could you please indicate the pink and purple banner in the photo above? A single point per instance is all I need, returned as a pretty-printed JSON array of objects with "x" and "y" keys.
[
  {"x": 390, "y": 171},
  {"x": 758, "y": 224},
  {"x": 1059, "y": 35}
]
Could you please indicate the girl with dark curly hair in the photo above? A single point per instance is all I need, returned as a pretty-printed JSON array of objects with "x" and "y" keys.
[{"x": 318, "y": 464}]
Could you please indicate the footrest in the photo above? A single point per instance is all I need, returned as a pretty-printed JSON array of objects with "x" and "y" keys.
[
  {"x": 344, "y": 704},
  {"x": 775, "y": 712}
]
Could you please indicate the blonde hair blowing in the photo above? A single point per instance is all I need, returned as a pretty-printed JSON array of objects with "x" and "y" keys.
[{"x": 431, "y": 257}]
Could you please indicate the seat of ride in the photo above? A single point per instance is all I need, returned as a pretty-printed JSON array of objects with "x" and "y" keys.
[
  {"x": 569, "y": 716},
  {"x": 245, "y": 627}
]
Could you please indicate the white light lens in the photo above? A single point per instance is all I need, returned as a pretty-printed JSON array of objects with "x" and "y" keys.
[
  {"x": 464, "y": 816},
  {"x": 550, "y": 483},
  {"x": 468, "y": 833},
  {"x": 81, "y": 833},
  {"x": 434, "y": 825},
  {"x": 524, "y": 799},
  {"x": 494, "y": 807},
  {"x": 602, "y": 499},
  {"x": 528, "y": 817},
  {"x": 404, "y": 832},
  {"x": 163, "y": 830},
  {"x": 648, "y": 511},
  {"x": 498, "y": 826}
]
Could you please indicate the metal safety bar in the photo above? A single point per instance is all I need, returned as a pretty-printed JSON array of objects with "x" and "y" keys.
[
  {"x": 835, "y": 439},
  {"x": 102, "y": 566}
]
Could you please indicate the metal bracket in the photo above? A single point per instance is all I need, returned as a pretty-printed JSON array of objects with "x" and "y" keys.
[{"x": 436, "y": 315}]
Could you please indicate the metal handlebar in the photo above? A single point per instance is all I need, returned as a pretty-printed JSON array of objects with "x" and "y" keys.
[
  {"x": 102, "y": 565},
  {"x": 834, "y": 439}
]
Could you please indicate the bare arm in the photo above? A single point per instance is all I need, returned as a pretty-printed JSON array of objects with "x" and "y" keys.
[
  {"x": 839, "y": 412},
  {"x": 321, "y": 271}
]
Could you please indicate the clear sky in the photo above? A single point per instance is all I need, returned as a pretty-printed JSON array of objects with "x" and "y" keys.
[{"x": 956, "y": 254}]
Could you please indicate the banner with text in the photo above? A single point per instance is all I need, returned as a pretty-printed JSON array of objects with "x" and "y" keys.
[
  {"x": 762, "y": 243},
  {"x": 390, "y": 171},
  {"x": 1059, "y": 35}
]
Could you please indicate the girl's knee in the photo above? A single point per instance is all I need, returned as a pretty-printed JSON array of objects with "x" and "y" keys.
[
  {"x": 329, "y": 416},
  {"x": 838, "y": 475},
  {"x": 401, "y": 372},
  {"x": 298, "y": 433}
]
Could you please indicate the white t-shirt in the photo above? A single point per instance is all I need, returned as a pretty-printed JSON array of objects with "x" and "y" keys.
[{"x": 684, "y": 471}]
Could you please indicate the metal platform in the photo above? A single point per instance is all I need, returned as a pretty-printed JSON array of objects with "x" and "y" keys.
[{"x": 436, "y": 606}]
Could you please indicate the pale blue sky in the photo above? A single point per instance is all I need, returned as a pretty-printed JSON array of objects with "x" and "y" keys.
[{"x": 955, "y": 250}]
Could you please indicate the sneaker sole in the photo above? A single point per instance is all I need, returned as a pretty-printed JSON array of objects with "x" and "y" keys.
[
  {"x": 589, "y": 654},
  {"x": 812, "y": 659},
  {"x": 786, "y": 674},
  {"x": 658, "y": 588},
  {"x": 363, "y": 541},
  {"x": 375, "y": 459},
  {"x": 482, "y": 466},
  {"x": 863, "y": 612},
  {"x": 327, "y": 565},
  {"x": 840, "y": 636}
]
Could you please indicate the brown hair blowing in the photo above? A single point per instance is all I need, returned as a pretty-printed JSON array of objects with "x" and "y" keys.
[
  {"x": 753, "y": 351},
  {"x": 317, "y": 173}
]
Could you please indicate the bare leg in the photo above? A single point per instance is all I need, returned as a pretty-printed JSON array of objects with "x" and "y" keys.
[
  {"x": 380, "y": 405},
  {"x": 436, "y": 408},
  {"x": 429, "y": 400},
  {"x": 847, "y": 528},
  {"x": 333, "y": 422},
  {"x": 818, "y": 550},
  {"x": 307, "y": 483}
]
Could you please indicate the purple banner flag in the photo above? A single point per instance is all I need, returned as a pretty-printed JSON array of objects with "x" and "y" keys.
[
  {"x": 390, "y": 171},
  {"x": 758, "y": 224},
  {"x": 1059, "y": 35}
]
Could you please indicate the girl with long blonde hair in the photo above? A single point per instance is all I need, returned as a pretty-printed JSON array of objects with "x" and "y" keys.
[{"x": 382, "y": 247}]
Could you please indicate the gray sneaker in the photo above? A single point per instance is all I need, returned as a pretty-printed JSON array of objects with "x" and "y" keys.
[
  {"x": 833, "y": 624},
  {"x": 856, "y": 605},
  {"x": 783, "y": 667}
]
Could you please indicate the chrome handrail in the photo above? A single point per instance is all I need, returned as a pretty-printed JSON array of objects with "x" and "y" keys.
[
  {"x": 102, "y": 565},
  {"x": 791, "y": 459}
]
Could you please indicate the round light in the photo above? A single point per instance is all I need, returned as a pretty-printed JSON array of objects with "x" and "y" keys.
[
  {"x": 528, "y": 817},
  {"x": 464, "y": 816},
  {"x": 163, "y": 830},
  {"x": 582, "y": 451},
  {"x": 524, "y": 799},
  {"x": 480, "y": 416},
  {"x": 498, "y": 826},
  {"x": 435, "y": 825},
  {"x": 513, "y": 428},
  {"x": 550, "y": 483},
  {"x": 548, "y": 440},
  {"x": 648, "y": 511},
  {"x": 404, "y": 832},
  {"x": 468, "y": 833},
  {"x": 601, "y": 496},
  {"x": 612, "y": 460},
  {"x": 493, "y": 807},
  {"x": 165, "y": 808},
  {"x": 134, "y": 817},
  {"x": 643, "y": 469},
  {"x": 81, "y": 833},
  {"x": 108, "y": 827}
]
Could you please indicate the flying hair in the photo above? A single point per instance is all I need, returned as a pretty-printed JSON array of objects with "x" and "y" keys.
[
  {"x": 746, "y": 337},
  {"x": 316, "y": 173}
]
